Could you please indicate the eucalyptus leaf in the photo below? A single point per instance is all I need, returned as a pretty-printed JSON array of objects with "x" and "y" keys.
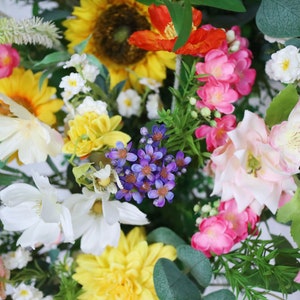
[
  {"x": 166, "y": 236},
  {"x": 279, "y": 18},
  {"x": 282, "y": 105},
  {"x": 220, "y": 295},
  {"x": 53, "y": 58},
  {"x": 196, "y": 263},
  {"x": 172, "y": 284},
  {"x": 232, "y": 5},
  {"x": 294, "y": 42}
]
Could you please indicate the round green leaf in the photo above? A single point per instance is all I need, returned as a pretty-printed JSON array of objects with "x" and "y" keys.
[
  {"x": 197, "y": 264},
  {"x": 171, "y": 284},
  {"x": 220, "y": 295},
  {"x": 279, "y": 18},
  {"x": 166, "y": 236}
]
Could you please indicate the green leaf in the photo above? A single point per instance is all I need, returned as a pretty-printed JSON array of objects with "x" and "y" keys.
[
  {"x": 295, "y": 228},
  {"x": 53, "y": 58},
  {"x": 220, "y": 295},
  {"x": 196, "y": 263},
  {"x": 7, "y": 179},
  {"x": 170, "y": 283},
  {"x": 291, "y": 212},
  {"x": 279, "y": 18},
  {"x": 282, "y": 105},
  {"x": 166, "y": 236},
  {"x": 81, "y": 46},
  {"x": 233, "y": 5}
]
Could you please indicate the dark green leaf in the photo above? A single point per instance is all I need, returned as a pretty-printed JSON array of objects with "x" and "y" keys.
[
  {"x": 279, "y": 18},
  {"x": 220, "y": 295},
  {"x": 196, "y": 263},
  {"x": 282, "y": 105},
  {"x": 81, "y": 46},
  {"x": 6, "y": 179},
  {"x": 233, "y": 5},
  {"x": 166, "y": 236},
  {"x": 171, "y": 284},
  {"x": 182, "y": 20}
]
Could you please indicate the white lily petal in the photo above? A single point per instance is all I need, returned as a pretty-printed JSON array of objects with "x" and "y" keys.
[
  {"x": 130, "y": 214},
  {"x": 110, "y": 212},
  {"x": 66, "y": 224},
  {"x": 36, "y": 235},
  {"x": 18, "y": 193},
  {"x": 18, "y": 218},
  {"x": 16, "y": 108}
]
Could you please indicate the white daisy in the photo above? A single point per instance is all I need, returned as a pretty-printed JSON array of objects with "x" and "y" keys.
[
  {"x": 129, "y": 103},
  {"x": 72, "y": 83},
  {"x": 27, "y": 292},
  {"x": 153, "y": 105},
  {"x": 284, "y": 65},
  {"x": 151, "y": 83},
  {"x": 17, "y": 259},
  {"x": 89, "y": 104}
]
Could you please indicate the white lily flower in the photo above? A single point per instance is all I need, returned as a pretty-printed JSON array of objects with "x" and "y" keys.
[
  {"x": 97, "y": 220},
  {"x": 26, "y": 135},
  {"x": 36, "y": 212}
]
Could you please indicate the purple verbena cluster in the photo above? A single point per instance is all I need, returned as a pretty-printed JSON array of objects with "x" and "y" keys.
[{"x": 148, "y": 171}]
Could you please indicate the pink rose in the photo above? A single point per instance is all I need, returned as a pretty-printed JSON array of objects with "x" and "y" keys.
[{"x": 9, "y": 59}]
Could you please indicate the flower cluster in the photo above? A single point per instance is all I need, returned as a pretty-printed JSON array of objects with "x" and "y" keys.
[
  {"x": 149, "y": 170},
  {"x": 219, "y": 233},
  {"x": 138, "y": 182},
  {"x": 226, "y": 76}
]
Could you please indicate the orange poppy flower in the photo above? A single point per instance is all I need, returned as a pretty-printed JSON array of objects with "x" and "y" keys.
[{"x": 199, "y": 42}]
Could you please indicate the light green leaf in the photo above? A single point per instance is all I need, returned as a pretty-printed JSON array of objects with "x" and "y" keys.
[
  {"x": 220, "y": 295},
  {"x": 295, "y": 228},
  {"x": 196, "y": 263},
  {"x": 289, "y": 210},
  {"x": 232, "y": 5},
  {"x": 279, "y": 18},
  {"x": 172, "y": 284},
  {"x": 53, "y": 58},
  {"x": 81, "y": 46},
  {"x": 166, "y": 236},
  {"x": 282, "y": 105},
  {"x": 79, "y": 172}
]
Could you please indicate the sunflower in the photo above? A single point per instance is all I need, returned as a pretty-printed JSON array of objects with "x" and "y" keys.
[
  {"x": 109, "y": 24},
  {"x": 23, "y": 87},
  {"x": 125, "y": 272}
]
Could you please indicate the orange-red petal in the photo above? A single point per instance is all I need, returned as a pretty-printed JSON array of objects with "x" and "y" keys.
[{"x": 160, "y": 17}]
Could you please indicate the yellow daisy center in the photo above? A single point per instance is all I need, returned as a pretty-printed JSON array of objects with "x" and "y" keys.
[
  {"x": 113, "y": 28},
  {"x": 285, "y": 64},
  {"x": 97, "y": 208}
]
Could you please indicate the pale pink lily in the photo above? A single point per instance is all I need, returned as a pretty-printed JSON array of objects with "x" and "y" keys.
[{"x": 248, "y": 169}]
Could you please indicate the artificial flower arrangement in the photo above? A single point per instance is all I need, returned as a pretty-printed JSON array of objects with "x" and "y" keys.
[{"x": 161, "y": 170}]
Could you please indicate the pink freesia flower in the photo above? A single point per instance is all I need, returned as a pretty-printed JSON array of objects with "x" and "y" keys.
[
  {"x": 286, "y": 138},
  {"x": 218, "y": 95},
  {"x": 217, "y": 64},
  {"x": 216, "y": 136},
  {"x": 297, "y": 278},
  {"x": 246, "y": 75},
  {"x": 9, "y": 59},
  {"x": 248, "y": 169},
  {"x": 242, "y": 223},
  {"x": 214, "y": 236}
]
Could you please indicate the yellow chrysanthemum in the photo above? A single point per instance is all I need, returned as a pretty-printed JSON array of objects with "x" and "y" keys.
[
  {"x": 123, "y": 273},
  {"x": 23, "y": 87},
  {"x": 109, "y": 23},
  {"x": 91, "y": 131}
]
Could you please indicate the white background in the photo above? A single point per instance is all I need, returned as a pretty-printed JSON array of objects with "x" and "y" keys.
[{"x": 21, "y": 11}]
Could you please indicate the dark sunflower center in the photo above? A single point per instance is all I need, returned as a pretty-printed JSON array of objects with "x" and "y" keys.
[{"x": 113, "y": 28}]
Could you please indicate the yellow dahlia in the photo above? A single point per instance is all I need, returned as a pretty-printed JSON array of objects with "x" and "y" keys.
[
  {"x": 110, "y": 23},
  {"x": 123, "y": 273},
  {"x": 91, "y": 131},
  {"x": 23, "y": 87}
]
